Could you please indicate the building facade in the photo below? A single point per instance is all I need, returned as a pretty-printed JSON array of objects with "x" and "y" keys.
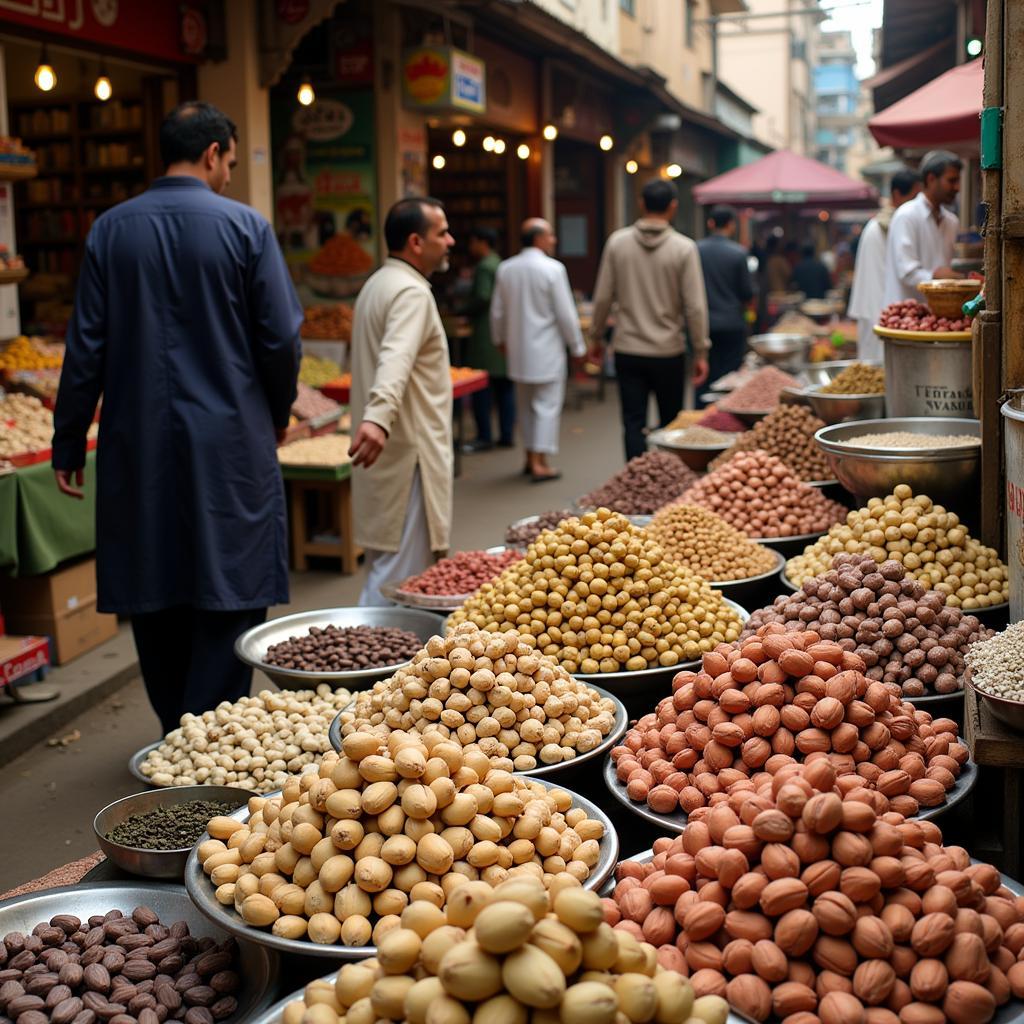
[{"x": 836, "y": 99}]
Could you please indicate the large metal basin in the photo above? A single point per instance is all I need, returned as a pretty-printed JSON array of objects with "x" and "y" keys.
[
  {"x": 831, "y": 408},
  {"x": 787, "y": 351}
]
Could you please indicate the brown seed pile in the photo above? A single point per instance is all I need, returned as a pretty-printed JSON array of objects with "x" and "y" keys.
[
  {"x": 759, "y": 494},
  {"x": 787, "y": 432},
  {"x": 523, "y": 536},
  {"x": 801, "y": 901},
  {"x": 775, "y": 699},
  {"x": 344, "y": 649},
  {"x": 905, "y": 634},
  {"x": 124, "y": 969},
  {"x": 643, "y": 485},
  {"x": 707, "y": 545},
  {"x": 599, "y": 595},
  {"x": 857, "y": 379},
  {"x": 760, "y": 393}
]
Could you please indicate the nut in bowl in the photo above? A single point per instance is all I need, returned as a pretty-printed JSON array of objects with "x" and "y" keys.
[{"x": 945, "y": 297}]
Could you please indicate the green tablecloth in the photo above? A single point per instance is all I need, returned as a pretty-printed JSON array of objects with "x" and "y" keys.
[{"x": 39, "y": 526}]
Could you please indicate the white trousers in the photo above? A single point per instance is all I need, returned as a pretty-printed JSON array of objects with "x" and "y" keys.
[
  {"x": 412, "y": 557},
  {"x": 539, "y": 408}
]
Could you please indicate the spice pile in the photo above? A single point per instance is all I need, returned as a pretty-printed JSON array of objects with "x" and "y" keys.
[
  {"x": 310, "y": 403},
  {"x": 780, "y": 697},
  {"x": 904, "y": 633},
  {"x": 645, "y": 483},
  {"x": 505, "y": 956},
  {"x": 758, "y": 494},
  {"x": 461, "y": 573},
  {"x": 386, "y": 823},
  {"x": 327, "y": 450},
  {"x": 341, "y": 255},
  {"x": 723, "y": 421},
  {"x": 909, "y": 439},
  {"x": 997, "y": 663},
  {"x": 857, "y": 379},
  {"x": 344, "y": 649},
  {"x": 760, "y": 393},
  {"x": 492, "y": 694},
  {"x": 171, "y": 827},
  {"x": 707, "y": 545},
  {"x": 253, "y": 744},
  {"x": 317, "y": 372},
  {"x": 599, "y": 595},
  {"x": 328, "y": 322},
  {"x": 523, "y": 535},
  {"x": 928, "y": 541},
  {"x": 24, "y": 353},
  {"x": 911, "y": 315},
  {"x": 800, "y": 903},
  {"x": 787, "y": 432}
]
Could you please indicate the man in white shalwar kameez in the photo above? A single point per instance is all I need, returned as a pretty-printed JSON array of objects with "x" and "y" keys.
[
  {"x": 867, "y": 297},
  {"x": 534, "y": 320}
]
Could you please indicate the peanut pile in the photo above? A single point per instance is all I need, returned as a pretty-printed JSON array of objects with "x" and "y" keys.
[
  {"x": 492, "y": 693},
  {"x": 857, "y": 379},
  {"x": 341, "y": 852},
  {"x": 929, "y": 542},
  {"x": 599, "y": 595},
  {"x": 803, "y": 903},
  {"x": 774, "y": 700}
]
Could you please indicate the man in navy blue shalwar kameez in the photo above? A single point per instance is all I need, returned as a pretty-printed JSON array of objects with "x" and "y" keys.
[{"x": 187, "y": 325}]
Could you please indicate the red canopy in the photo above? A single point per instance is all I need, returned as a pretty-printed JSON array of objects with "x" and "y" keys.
[
  {"x": 785, "y": 179},
  {"x": 942, "y": 113}
]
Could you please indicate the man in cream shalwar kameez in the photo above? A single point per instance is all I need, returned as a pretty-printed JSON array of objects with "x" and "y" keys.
[{"x": 402, "y": 400}]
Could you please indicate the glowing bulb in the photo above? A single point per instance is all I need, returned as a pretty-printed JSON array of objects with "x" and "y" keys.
[
  {"x": 632, "y": 167},
  {"x": 606, "y": 142},
  {"x": 823, "y": 216},
  {"x": 488, "y": 143},
  {"x": 103, "y": 90},
  {"x": 550, "y": 132},
  {"x": 523, "y": 151},
  {"x": 974, "y": 46},
  {"x": 438, "y": 162},
  {"x": 499, "y": 146},
  {"x": 673, "y": 170},
  {"x": 306, "y": 94},
  {"x": 458, "y": 137},
  {"x": 45, "y": 76}
]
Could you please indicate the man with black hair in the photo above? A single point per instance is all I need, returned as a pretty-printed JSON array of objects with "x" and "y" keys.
[
  {"x": 401, "y": 399},
  {"x": 922, "y": 234},
  {"x": 867, "y": 296},
  {"x": 187, "y": 324},
  {"x": 729, "y": 289},
  {"x": 652, "y": 275},
  {"x": 810, "y": 275}
]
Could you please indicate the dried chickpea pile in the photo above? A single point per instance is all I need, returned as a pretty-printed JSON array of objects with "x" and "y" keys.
[
  {"x": 598, "y": 595},
  {"x": 707, "y": 545},
  {"x": 506, "y": 956},
  {"x": 490, "y": 693},
  {"x": 255, "y": 743},
  {"x": 776, "y": 699},
  {"x": 800, "y": 906},
  {"x": 341, "y": 852},
  {"x": 643, "y": 485},
  {"x": 760, "y": 495},
  {"x": 930, "y": 543},
  {"x": 857, "y": 379},
  {"x": 904, "y": 633},
  {"x": 787, "y": 432}
]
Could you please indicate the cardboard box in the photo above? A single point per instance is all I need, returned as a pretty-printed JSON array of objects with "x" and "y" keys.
[
  {"x": 21, "y": 656},
  {"x": 60, "y": 605}
]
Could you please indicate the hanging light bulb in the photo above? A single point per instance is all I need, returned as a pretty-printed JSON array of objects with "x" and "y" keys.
[
  {"x": 499, "y": 146},
  {"x": 632, "y": 167},
  {"x": 673, "y": 170},
  {"x": 458, "y": 137},
  {"x": 606, "y": 142},
  {"x": 45, "y": 77},
  {"x": 103, "y": 90},
  {"x": 523, "y": 151},
  {"x": 438, "y": 162},
  {"x": 550, "y": 132},
  {"x": 488, "y": 143},
  {"x": 306, "y": 95}
]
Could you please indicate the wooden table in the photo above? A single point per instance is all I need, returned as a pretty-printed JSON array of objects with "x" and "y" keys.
[
  {"x": 330, "y": 488},
  {"x": 999, "y": 752}
]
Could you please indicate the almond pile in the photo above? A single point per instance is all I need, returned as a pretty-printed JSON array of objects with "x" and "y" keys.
[
  {"x": 777, "y": 698},
  {"x": 799, "y": 905}
]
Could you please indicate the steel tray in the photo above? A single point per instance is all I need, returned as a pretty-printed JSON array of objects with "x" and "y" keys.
[
  {"x": 259, "y": 967},
  {"x": 136, "y": 760},
  {"x": 750, "y": 584},
  {"x": 790, "y": 546}
]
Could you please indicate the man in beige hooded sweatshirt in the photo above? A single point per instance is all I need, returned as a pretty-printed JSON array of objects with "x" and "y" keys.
[{"x": 652, "y": 274}]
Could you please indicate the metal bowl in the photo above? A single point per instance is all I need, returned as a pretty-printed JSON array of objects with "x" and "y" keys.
[
  {"x": 156, "y": 863},
  {"x": 737, "y": 590},
  {"x": 832, "y": 409},
  {"x": 201, "y": 890},
  {"x": 946, "y": 475},
  {"x": 1009, "y": 712},
  {"x": 789, "y": 546},
  {"x": 251, "y": 646},
  {"x": 783, "y": 350},
  {"x": 817, "y": 375},
  {"x": 136, "y": 761},
  {"x": 619, "y": 725},
  {"x": 258, "y": 967},
  {"x": 696, "y": 456}
]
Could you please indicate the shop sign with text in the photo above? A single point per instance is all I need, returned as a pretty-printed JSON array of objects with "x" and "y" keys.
[{"x": 442, "y": 78}]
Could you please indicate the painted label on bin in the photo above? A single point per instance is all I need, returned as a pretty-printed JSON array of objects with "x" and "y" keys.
[
  {"x": 1015, "y": 508},
  {"x": 937, "y": 398}
]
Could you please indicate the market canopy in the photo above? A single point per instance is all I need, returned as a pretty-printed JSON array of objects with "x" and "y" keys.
[
  {"x": 942, "y": 113},
  {"x": 783, "y": 178}
]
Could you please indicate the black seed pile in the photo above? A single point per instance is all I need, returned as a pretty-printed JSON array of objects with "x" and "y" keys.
[
  {"x": 174, "y": 827},
  {"x": 344, "y": 649}
]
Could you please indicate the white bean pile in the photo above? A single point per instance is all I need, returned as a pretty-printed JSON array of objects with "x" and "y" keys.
[
  {"x": 906, "y": 439},
  {"x": 997, "y": 664}
]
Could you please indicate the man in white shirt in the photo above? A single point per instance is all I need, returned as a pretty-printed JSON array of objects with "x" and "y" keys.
[
  {"x": 867, "y": 297},
  {"x": 534, "y": 320},
  {"x": 922, "y": 235}
]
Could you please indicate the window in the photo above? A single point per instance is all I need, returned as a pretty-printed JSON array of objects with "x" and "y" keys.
[
  {"x": 689, "y": 17},
  {"x": 629, "y": 6}
]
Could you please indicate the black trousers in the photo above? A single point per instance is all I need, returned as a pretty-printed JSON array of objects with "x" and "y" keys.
[
  {"x": 638, "y": 377},
  {"x": 727, "y": 351},
  {"x": 502, "y": 392},
  {"x": 188, "y": 659}
]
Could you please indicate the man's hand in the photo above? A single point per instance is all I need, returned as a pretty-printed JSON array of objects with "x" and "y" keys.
[
  {"x": 700, "y": 370},
  {"x": 367, "y": 444},
  {"x": 945, "y": 274},
  {"x": 64, "y": 485},
  {"x": 280, "y": 433}
]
